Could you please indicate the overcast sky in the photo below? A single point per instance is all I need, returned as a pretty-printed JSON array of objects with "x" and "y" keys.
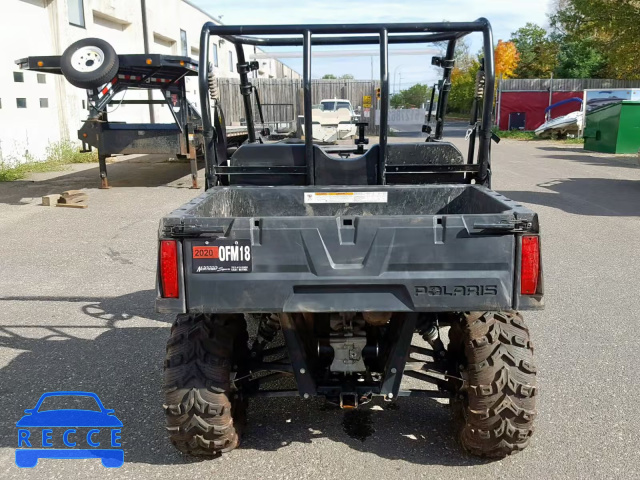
[{"x": 506, "y": 16}]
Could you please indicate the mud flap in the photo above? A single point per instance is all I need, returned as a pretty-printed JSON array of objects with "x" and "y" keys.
[
  {"x": 398, "y": 353},
  {"x": 297, "y": 356}
]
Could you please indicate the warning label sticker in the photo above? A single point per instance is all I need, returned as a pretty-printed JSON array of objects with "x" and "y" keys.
[{"x": 345, "y": 197}]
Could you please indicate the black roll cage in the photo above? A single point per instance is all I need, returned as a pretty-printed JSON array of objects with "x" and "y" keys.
[{"x": 354, "y": 34}]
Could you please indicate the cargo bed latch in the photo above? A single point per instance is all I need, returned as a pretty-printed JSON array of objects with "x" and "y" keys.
[{"x": 507, "y": 227}]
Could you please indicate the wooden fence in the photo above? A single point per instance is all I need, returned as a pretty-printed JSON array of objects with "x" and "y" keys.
[{"x": 282, "y": 99}]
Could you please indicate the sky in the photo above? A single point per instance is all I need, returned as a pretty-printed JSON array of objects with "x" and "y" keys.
[{"x": 506, "y": 16}]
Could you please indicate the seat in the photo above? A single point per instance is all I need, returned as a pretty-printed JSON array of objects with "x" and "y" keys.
[
  {"x": 353, "y": 170},
  {"x": 268, "y": 155},
  {"x": 423, "y": 153}
]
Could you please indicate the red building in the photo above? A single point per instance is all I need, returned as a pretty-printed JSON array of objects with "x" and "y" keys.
[{"x": 522, "y": 102}]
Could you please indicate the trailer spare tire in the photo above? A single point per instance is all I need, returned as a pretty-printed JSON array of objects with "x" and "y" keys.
[{"x": 89, "y": 63}]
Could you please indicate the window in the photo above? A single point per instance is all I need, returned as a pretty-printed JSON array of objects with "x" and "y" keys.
[
  {"x": 18, "y": 77},
  {"x": 44, "y": 103},
  {"x": 183, "y": 43},
  {"x": 76, "y": 12},
  {"x": 42, "y": 78},
  {"x": 231, "y": 61},
  {"x": 329, "y": 106},
  {"x": 215, "y": 55},
  {"x": 21, "y": 102}
]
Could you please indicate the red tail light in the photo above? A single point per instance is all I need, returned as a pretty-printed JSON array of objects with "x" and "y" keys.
[
  {"x": 169, "y": 268},
  {"x": 530, "y": 265}
]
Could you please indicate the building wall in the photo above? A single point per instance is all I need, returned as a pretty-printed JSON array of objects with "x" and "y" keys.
[
  {"x": 25, "y": 131},
  {"x": 42, "y": 27},
  {"x": 533, "y": 105}
]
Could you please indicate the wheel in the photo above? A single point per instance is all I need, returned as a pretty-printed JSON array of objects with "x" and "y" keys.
[
  {"x": 205, "y": 411},
  {"x": 89, "y": 63},
  {"x": 494, "y": 383}
]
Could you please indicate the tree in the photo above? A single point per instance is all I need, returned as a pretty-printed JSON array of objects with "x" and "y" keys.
[
  {"x": 507, "y": 58},
  {"x": 331, "y": 76},
  {"x": 463, "y": 84},
  {"x": 413, "y": 97},
  {"x": 610, "y": 30},
  {"x": 580, "y": 59},
  {"x": 538, "y": 52},
  {"x": 397, "y": 100},
  {"x": 462, "y": 55}
]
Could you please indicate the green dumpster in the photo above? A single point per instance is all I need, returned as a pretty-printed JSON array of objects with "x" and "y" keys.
[{"x": 614, "y": 128}]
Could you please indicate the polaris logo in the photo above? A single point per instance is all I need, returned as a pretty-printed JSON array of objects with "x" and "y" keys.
[{"x": 457, "y": 290}]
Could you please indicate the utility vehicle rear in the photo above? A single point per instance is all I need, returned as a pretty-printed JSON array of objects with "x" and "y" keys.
[{"x": 350, "y": 253}]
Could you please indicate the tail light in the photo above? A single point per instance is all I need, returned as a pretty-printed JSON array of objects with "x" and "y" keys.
[
  {"x": 169, "y": 268},
  {"x": 530, "y": 265}
]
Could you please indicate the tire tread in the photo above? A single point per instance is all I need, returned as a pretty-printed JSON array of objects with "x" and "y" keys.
[
  {"x": 204, "y": 417},
  {"x": 495, "y": 403}
]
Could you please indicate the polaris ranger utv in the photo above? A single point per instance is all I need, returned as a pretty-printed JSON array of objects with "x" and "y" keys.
[{"x": 349, "y": 255}]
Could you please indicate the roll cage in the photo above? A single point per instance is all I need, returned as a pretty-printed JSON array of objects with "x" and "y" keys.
[{"x": 354, "y": 34}]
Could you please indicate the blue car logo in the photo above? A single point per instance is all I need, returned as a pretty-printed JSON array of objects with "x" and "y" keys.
[{"x": 68, "y": 433}]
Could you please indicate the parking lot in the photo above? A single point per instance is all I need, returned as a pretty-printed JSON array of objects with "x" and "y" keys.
[{"x": 76, "y": 313}]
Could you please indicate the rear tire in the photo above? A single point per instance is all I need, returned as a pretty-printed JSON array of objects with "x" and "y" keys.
[
  {"x": 205, "y": 411},
  {"x": 494, "y": 405}
]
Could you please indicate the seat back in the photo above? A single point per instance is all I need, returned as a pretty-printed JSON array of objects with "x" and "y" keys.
[
  {"x": 423, "y": 153},
  {"x": 268, "y": 155},
  {"x": 353, "y": 170},
  {"x": 333, "y": 170}
]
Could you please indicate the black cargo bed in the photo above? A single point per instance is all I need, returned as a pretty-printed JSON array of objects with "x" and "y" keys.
[{"x": 289, "y": 201}]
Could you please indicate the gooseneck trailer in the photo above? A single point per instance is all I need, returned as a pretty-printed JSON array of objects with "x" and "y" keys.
[{"x": 92, "y": 64}]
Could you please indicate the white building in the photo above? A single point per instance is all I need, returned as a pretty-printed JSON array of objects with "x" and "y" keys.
[{"x": 38, "y": 109}]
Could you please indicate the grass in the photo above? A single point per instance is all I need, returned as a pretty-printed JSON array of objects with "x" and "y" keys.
[
  {"x": 528, "y": 136},
  {"x": 58, "y": 157}
]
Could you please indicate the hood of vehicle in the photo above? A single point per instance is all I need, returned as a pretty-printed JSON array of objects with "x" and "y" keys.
[{"x": 69, "y": 418}]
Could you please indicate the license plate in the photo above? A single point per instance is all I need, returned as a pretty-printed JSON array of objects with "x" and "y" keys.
[{"x": 221, "y": 255}]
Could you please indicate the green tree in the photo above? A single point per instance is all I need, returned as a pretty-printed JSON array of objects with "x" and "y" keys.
[
  {"x": 463, "y": 83},
  {"x": 538, "y": 52},
  {"x": 580, "y": 59},
  {"x": 397, "y": 100},
  {"x": 601, "y": 32},
  {"x": 413, "y": 97},
  {"x": 329, "y": 76},
  {"x": 347, "y": 76}
]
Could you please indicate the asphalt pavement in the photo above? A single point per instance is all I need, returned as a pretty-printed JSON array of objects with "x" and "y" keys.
[{"x": 76, "y": 313}]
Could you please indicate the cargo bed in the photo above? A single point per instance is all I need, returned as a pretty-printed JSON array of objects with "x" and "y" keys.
[{"x": 428, "y": 248}]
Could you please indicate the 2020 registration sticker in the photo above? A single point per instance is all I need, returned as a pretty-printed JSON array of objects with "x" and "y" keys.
[{"x": 221, "y": 256}]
